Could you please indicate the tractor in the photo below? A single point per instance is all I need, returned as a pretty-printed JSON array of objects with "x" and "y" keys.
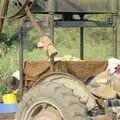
[{"x": 57, "y": 90}]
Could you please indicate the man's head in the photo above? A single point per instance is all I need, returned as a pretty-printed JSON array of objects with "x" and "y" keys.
[{"x": 13, "y": 81}]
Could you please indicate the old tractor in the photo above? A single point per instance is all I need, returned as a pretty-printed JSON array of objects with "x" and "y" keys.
[{"x": 57, "y": 89}]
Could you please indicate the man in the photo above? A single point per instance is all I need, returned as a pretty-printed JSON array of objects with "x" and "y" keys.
[{"x": 13, "y": 81}]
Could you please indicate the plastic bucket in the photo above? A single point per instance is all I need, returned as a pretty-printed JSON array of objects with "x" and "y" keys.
[
  {"x": 9, "y": 99},
  {"x": 8, "y": 108}
]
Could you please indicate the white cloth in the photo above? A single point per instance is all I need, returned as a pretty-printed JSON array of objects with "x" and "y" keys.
[
  {"x": 16, "y": 74},
  {"x": 112, "y": 64}
]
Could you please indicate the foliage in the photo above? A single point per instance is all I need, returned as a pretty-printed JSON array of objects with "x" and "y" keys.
[
  {"x": 3, "y": 90},
  {"x": 3, "y": 87}
]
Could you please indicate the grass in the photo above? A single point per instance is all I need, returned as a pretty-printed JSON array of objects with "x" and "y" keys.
[{"x": 91, "y": 52}]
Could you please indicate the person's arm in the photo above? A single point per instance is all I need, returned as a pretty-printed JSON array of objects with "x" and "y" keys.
[{"x": 44, "y": 42}]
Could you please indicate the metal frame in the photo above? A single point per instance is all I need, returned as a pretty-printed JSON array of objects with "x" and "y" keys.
[
  {"x": 82, "y": 23},
  {"x": 21, "y": 62}
]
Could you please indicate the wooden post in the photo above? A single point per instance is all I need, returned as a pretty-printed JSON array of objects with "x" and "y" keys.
[
  {"x": 3, "y": 11},
  {"x": 82, "y": 39},
  {"x": 115, "y": 42},
  {"x": 21, "y": 61}
]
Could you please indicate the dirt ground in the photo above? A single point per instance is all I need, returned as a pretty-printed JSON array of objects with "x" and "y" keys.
[{"x": 4, "y": 116}]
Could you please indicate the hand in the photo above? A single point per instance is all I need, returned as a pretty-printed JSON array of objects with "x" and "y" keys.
[{"x": 46, "y": 43}]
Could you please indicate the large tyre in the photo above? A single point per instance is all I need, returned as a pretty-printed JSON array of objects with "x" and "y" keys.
[{"x": 51, "y": 101}]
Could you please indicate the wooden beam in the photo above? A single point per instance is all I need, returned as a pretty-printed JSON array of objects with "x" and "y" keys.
[{"x": 3, "y": 11}]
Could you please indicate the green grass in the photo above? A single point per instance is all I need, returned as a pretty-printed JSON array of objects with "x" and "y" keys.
[
  {"x": 91, "y": 52},
  {"x": 10, "y": 62}
]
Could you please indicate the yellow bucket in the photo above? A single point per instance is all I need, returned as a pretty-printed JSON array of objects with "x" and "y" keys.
[{"x": 9, "y": 98}]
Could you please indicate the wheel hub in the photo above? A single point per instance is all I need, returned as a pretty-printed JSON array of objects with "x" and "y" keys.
[
  {"x": 48, "y": 114},
  {"x": 43, "y": 111}
]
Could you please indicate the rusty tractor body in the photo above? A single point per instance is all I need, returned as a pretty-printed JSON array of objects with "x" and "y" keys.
[{"x": 56, "y": 88}]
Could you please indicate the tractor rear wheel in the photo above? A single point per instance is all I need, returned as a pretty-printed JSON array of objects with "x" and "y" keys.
[{"x": 51, "y": 101}]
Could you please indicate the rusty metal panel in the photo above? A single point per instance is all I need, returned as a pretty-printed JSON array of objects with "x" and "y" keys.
[
  {"x": 78, "y": 6},
  {"x": 83, "y": 70}
]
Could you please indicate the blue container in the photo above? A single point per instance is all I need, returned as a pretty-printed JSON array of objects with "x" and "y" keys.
[{"x": 8, "y": 108}]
